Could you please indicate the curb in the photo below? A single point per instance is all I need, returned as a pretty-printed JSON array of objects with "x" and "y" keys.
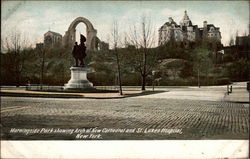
[
  {"x": 12, "y": 94},
  {"x": 239, "y": 102},
  {"x": 39, "y": 95},
  {"x": 53, "y": 96}
]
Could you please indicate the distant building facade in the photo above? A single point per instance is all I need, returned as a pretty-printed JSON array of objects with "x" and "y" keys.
[
  {"x": 242, "y": 40},
  {"x": 39, "y": 45},
  {"x": 52, "y": 39},
  {"x": 186, "y": 31},
  {"x": 103, "y": 46},
  {"x": 240, "y": 49}
]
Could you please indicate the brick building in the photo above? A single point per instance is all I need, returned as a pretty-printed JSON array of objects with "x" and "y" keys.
[{"x": 186, "y": 31}]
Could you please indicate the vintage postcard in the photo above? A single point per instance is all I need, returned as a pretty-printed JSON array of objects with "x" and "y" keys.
[{"x": 170, "y": 71}]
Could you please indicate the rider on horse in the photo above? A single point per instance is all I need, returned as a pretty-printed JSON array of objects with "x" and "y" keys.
[{"x": 79, "y": 51}]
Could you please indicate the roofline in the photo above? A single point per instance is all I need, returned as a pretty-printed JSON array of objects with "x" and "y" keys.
[{"x": 52, "y": 33}]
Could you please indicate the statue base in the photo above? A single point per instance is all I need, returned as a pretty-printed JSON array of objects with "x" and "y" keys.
[{"x": 78, "y": 80}]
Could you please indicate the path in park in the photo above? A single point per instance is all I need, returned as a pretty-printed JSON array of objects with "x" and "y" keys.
[
  {"x": 207, "y": 93},
  {"x": 192, "y": 93}
]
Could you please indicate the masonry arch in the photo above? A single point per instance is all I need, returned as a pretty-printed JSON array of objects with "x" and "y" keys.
[{"x": 70, "y": 35}]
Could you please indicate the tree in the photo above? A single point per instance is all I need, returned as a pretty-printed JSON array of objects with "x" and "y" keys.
[
  {"x": 238, "y": 70},
  {"x": 142, "y": 39},
  {"x": 187, "y": 70},
  {"x": 14, "y": 44},
  {"x": 174, "y": 67},
  {"x": 202, "y": 63},
  {"x": 231, "y": 41},
  {"x": 115, "y": 33},
  {"x": 42, "y": 52}
]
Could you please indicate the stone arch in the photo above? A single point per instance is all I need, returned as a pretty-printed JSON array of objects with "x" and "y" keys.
[
  {"x": 69, "y": 37},
  {"x": 95, "y": 42}
]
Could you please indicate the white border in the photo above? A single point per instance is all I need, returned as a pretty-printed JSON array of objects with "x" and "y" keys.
[{"x": 126, "y": 149}]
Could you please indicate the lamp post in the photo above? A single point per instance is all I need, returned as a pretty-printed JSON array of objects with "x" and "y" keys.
[
  {"x": 248, "y": 88},
  {"x": 199, "y": 78},
  {"x": 42, "y": 67},
  {"x": 153, "y": 82}
]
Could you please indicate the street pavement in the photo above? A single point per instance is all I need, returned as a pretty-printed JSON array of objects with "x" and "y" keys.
[{"x": 177, "y": 113}]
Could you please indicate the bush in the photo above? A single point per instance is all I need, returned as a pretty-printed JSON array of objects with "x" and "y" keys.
[
  {"x": 179, "y": 82},
  {"x": 222, "y": 81}
]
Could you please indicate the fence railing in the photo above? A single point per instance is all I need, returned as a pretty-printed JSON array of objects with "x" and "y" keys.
[
  {"x": 47, "y": 87},
  {"x": 114, "y": 87},
  {"x": 42, "y": 87}
]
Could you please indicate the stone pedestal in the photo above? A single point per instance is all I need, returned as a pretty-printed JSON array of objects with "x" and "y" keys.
[{"x": 78, "y": 80}]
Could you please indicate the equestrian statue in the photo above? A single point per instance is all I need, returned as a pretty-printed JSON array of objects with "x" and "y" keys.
[{"x": 79, "y": 51}]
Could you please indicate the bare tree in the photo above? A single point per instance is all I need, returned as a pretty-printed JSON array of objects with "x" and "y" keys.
[
  {"x": 14, "y": 44},
  {"x": 42, "y": 54},
  {"x": 203, "y": 64},
  {"x": 142, "y": 39},
  {"x": 174, "y": 68},
  {"x": 231, "y": 41},
  {"x": 115, "y": 39}
]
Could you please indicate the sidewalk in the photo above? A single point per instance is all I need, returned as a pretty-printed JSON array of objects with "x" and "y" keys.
[
  {"x": 239, "y": 93},
  {"x": 206, "y": 93}
]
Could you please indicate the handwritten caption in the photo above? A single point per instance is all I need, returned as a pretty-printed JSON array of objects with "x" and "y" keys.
[{"x": 93, "y": 133}]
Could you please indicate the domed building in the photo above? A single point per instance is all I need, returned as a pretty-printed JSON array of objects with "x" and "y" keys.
[{"x": 186, "y": 31}]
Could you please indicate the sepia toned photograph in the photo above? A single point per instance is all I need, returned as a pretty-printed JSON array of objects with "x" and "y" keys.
[{"x": 125, "y": 70}]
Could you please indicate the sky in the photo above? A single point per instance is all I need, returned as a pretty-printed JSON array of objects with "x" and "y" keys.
[{"x": 34, "y": 18}]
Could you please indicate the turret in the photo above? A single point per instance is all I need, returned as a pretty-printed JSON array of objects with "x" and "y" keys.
[
  {"x": 205, "y": 24},
  {"x": 170, "y": 19},
  {"x": 204, "y": 29},
  {"x": 185, "y": 20}
]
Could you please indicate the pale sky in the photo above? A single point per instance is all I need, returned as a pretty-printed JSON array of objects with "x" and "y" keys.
[{"x": 34, "y": 18}]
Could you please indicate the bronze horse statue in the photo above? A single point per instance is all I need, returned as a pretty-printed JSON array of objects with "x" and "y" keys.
[{"x": 79, "y": 51}]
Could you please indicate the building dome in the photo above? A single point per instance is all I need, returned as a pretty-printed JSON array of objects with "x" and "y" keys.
[{"x": 185, "y": 20}]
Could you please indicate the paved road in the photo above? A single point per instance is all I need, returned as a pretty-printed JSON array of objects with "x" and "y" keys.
[{"x": 142, "y": 117}]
